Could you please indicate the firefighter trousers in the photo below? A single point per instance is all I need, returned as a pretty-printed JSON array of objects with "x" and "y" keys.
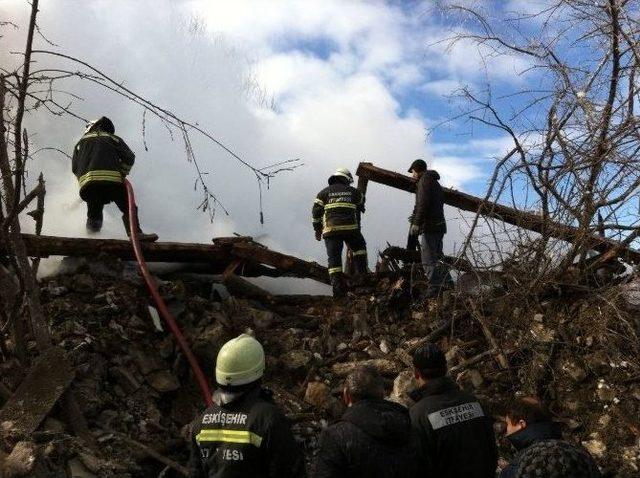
[
  {"x": 99, "y": 193},
  {"x": 354, "y": 241}
]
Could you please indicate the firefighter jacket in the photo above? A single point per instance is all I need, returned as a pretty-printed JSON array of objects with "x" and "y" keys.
[
  {"x": 542, "y": 452},
  {"x": 337, "y": 209},
  {"x": 373, "y": 439},
  {"x": 100, "y": 156},
  {"x": 455, "y": 435},
  {"x": 245, "y": 436},
  {"x": 428, "y": 212}
]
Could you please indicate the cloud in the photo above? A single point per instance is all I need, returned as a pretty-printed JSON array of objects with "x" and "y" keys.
[{"x": 321, "y": 80}]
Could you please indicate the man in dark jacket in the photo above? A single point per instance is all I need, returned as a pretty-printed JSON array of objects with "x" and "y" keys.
[
  {"x": 456, "y": 436},
  {"x": 243, "y": 434},
  {"x": 428, "y": 222},
  {"x": 541, "y": 450},
  {"x": 336, "y": 219},
  {"x": 373, "y": 439},
  {"x": 101, "y": 160}
]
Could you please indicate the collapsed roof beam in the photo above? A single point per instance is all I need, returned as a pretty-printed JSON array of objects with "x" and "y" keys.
[
  {"x": 526, "y": 220},
  {"x": 256, "y": 259}
]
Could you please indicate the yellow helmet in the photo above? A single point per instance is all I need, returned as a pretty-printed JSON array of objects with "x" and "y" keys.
[
  {"x": 343, "y": 173},
  {"x": 240, "y": 361}
]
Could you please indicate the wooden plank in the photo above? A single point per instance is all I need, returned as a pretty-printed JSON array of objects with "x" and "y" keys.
[
  {"x": 217, "y": 256},
  {"x": 523, "y": 219},
  {"x": 283, "y": 262},
  {"x": 48, "y": 379}
]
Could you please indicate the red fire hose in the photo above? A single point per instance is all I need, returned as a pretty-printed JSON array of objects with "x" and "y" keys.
[{"x": 162, "y": 307}]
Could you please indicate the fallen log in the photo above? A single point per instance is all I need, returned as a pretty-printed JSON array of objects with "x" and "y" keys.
[
  {"x": 218, "y": 256},
  {"x": 523, "y": 219},
  {"x": 282, "y": 262},
  {"x": 46, "y": 382}
]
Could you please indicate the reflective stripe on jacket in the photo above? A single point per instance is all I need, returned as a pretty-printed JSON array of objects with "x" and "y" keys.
[
  {"x": 247, "y": 436},
  {"x": 337, "y": 209},
  {"x": 100, "y": 156}
]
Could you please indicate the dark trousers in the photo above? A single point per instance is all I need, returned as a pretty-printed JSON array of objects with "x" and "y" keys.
[
  {"x": 431, "y": 250},
  {"x": 99, "y": 193},
  {"x": 354, "y": 241}
]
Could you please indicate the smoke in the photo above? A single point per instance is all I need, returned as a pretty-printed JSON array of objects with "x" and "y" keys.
[{"x": 270, "y": 98}]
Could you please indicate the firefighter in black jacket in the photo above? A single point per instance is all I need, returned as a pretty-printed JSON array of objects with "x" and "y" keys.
[
  {"x": 428, "y": 222},
  {"x": 101, "y": 160},
  {"x": 243, "y": 434},
  {"x": 455, "y": 434},
  {"x": 336, "y": 219},
  {"x": 373, "y": 439}
]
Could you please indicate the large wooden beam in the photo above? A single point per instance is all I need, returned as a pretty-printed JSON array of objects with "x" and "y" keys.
[
  {"x": 257, "y": 259},
  {"x": 523, "y": 219},
  {"x": 282, "y": 262}
]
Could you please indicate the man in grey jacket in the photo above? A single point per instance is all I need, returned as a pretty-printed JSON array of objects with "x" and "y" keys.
[{"x": 428, "y": 222}]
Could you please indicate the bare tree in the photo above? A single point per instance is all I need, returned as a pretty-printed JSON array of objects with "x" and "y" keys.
[
  {"x": 575, "y": 134},
  {"x": 27, "y": 89}
]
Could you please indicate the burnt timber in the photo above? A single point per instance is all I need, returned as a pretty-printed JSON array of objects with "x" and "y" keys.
[
  {"x": 255, "y": 259},
  {"x": 533, "y": 222}
]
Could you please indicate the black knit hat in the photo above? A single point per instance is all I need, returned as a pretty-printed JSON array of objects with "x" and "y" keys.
[
  {"x": 419, "y": 165},
  {"x": 430, "y": 361},
  {"x": 556, "y": 459}
]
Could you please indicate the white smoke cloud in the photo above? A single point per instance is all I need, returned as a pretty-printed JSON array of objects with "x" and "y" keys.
[{"x": 238, "y": 69}]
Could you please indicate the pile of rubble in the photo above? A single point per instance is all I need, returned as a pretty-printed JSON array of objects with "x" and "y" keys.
[{"x": 138, "y": 395}]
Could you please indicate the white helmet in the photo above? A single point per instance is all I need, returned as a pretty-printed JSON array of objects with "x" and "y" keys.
[{"x": 343, "y": 173}]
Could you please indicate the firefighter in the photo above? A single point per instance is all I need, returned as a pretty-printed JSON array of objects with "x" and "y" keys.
[
  {"x": 336, "y": 219},
  {"x": 373, "y": 439},
  {"x": 101, "y": 160},
  {"x": 541, "y": 450},
  {"x": 428, "y": 222},
  {"x": 243, "y": 434},
  {"x": 455, "y": 434}
]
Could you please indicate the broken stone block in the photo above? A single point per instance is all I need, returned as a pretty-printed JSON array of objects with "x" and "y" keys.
[
  {"x": 163, "y": 381},
  {"x": 83, "y": 283},
  {"x": 542, "y": 334},
  {"x": 296, "y": 359},
  {"x": 22, "y": 461},
  {"x": 452, "y": 355},
  {"x": 78, "y": 470},
  {"x": 262, "y": 319},
  {"x": 147, "y": 363},
  {"x": 598, "y": 362},
  {"x": 595, "y": 446},
  {"x": 317, "y": 394},
  {"x": 631, "y": 294},
  {"x": 388, "y": 368},
  {"x": 477, "y": 380},
  {"x": 403, "y": 385},
  {"x": 577, "y": 373},
  {"x": 125, "y": 379},
  {"x": 605, "y": 392}
]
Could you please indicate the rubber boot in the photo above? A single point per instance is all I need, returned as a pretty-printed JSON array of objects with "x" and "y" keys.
[
  {"x": 338, "y": 286},
  {"x": 152, "y": 237},
  {"x": 361, "y": 266},
  {"x": 94, "y": 225}
]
